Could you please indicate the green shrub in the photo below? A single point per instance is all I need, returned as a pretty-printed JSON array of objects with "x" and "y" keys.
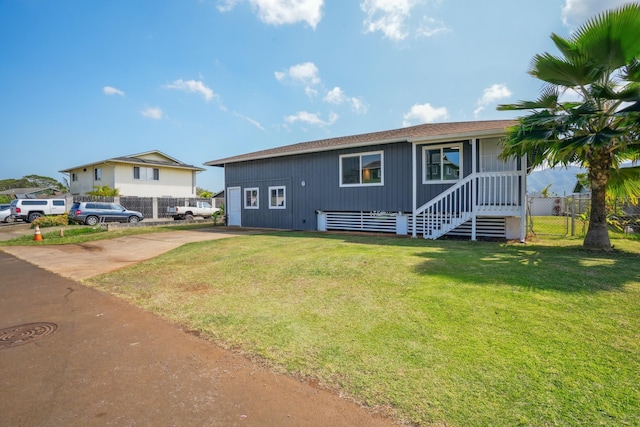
[{"x": 51, "y": 221}]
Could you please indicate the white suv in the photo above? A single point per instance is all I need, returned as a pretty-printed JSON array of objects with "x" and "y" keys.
[{"x": 31, "y": 209}]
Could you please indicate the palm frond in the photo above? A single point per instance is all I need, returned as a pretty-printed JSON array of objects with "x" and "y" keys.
[
  {"x": 548, "y": 100},
  {"x": 625, "y": 183},
  {"x": 612, "y": 37},
  {"x": 579, "y": 70},
  {"x": 632, "y": 71}
]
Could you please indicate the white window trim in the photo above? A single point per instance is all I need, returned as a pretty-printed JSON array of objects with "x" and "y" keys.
[
  {"x": 284, "y": 196},
  {"x": 459, "y": 145},
  {"x": 244, "y": 198},
  {"x": 365, "y": 153}
]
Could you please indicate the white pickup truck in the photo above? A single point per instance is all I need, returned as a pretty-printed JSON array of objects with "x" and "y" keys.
[
  {"x": 203, "y": 209},
  {"x": 31, "y": 209}
]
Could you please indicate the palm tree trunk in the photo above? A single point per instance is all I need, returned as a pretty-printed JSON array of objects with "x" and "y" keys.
[{"x": 598, "y": 233}]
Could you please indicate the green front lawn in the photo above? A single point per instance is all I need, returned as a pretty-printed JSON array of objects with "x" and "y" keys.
[{"x": 451, "y": 333}]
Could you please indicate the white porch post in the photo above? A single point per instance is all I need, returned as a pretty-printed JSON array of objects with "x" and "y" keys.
[
  {"x": 414, "y": 191},
  {"x": 474, "y": 162},
  {"x": 523, "y": 202}
]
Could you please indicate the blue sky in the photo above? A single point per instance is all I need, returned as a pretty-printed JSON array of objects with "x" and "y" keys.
[{"x": 87, "y": 80}]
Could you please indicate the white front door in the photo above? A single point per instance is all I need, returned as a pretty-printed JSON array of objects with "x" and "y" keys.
[{"x": 234, "y": 206}]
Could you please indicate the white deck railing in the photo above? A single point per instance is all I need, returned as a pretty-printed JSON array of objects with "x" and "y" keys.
[{"x": 491, "y": 193}]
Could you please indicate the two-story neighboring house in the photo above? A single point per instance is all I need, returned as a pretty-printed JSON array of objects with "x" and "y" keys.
[{"x": 149, "y": 174}]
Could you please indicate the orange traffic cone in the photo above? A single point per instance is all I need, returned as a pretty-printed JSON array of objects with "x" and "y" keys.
[{"x": 38, "y": 235}]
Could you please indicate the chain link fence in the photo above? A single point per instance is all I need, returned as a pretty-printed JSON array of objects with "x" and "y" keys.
[{"x": 569, "y": 215}]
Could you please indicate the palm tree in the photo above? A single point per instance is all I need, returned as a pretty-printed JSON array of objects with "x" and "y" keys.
[{"x": 600, "y": 63}]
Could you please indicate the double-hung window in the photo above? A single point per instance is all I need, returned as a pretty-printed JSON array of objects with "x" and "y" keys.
[
  {"x": 442, "y": 163},
  {"x": 277, "y": 198},
  {"x": 251, "y": 198},
  {"x": 362, "y": 169},
  {"x": 97, "y": 174}
]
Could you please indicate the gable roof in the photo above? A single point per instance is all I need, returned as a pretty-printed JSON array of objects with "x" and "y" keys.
[
  {"x": 32, "y": 192},
  {"x": 151, "y": 158},
  {"x": 430, "y": 132}
]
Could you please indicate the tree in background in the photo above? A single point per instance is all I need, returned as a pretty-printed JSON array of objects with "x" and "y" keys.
[
  {"x": 600, "y": 64},
  {"x": 203, "y": 194},
  {"x": 32, "y": 181},
  {"x": 104, "y": 191}
]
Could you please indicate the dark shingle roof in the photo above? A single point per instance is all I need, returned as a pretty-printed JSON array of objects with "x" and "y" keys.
[{"x": 425, "y": 132}]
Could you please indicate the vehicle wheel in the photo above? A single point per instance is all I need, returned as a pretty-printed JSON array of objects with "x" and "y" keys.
[
  {"x": 91, "y": 220},
  {"x": 33, "y": 216},
  {"x": 134, "y": 219},
  {"x": 188, "y": 217}
]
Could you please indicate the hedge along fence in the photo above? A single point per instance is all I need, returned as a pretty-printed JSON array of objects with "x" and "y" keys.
[{"x": 150, "y": 207}]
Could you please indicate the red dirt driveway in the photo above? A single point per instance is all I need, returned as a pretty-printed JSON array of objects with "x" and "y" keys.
[{"x": 110, "y": 363}]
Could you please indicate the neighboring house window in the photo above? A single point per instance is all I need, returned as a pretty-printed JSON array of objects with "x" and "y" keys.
[
  {"x": 277, "y": 198},
  {"x": 146, "y": 174},
  {"x": 442, "y": 163},
  {"x": 74, "y": 176},
  {"x": 251, "y": 198},
  {"x": 97, "y": 174},
  {"x": 361, "y": 169}
]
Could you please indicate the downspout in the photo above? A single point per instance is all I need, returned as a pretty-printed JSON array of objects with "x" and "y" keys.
[
  {"x": 414, "y": 191},
  {"x": 523, "y": 202},
  {"x": 474, "y": 162}
]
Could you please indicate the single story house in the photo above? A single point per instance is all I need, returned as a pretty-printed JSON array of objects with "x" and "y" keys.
[
  {"x": 428, "y": 180},
  {"x": 149, "y": 174}
]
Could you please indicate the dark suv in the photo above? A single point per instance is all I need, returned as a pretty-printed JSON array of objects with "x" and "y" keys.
[{"x": 91, "y": 213}]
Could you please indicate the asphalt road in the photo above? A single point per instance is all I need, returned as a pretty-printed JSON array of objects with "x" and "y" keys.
[{"x": 110, "y": 363}]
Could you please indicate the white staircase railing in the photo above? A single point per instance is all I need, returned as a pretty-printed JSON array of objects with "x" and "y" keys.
[{"x": 493, "y": 193}]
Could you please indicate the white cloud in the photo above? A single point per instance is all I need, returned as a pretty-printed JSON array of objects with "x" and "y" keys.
[
  {"x": 192, "y": 86},
  {"x": 301, "y": 74},
  {"x": 337, "y": 96},
  {"x": 279, "y": 12},
  {"x": 431, "y": 27},
  {"x": 577, "y": 12},
  {"x": 153, "y": 113},
  {"x": 358, "y": 106},
  {"x": 311, "y": 118},
  {"x": 226, "y": 5},
  {"x": 306, "y": 73},
  {"x": 110, "y": 90},
  {"x": 424, "y": 113},
  {"x": 491, "y": 95},
  {"x": 250, "y": 120},
  {"x": 393, "y": 18}
]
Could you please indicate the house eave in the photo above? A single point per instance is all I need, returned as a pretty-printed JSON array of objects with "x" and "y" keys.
[
  {"x": 129, "y": 162},
  {"x": 455, "y": 136},
  {"x": 496, "y": 129},
  {"x": 258, "y": 156}
]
